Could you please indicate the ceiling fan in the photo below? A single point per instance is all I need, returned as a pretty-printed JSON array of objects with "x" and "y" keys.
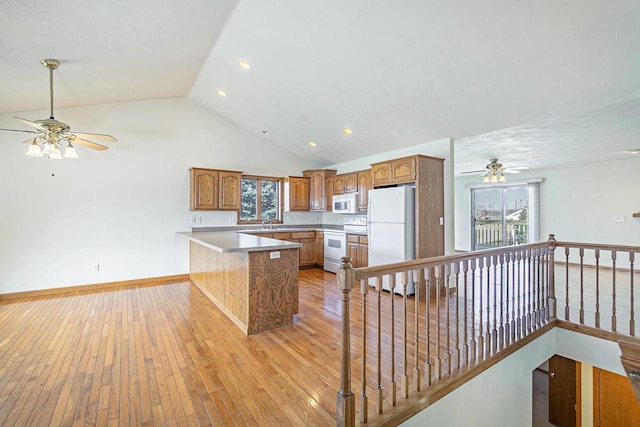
[
  {"x": 495, "y": 171},
  {"x": 53, "y": 133}
]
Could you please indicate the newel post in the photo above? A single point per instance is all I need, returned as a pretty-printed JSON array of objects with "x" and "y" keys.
[
  {"x": 346, "y": 401},
  {"x": 552, "y": 276}
]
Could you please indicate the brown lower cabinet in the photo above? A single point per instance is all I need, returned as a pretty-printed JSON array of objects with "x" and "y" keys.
[
  {"x": 358, "y": 250},
  {"x": 308, "y": 252}
]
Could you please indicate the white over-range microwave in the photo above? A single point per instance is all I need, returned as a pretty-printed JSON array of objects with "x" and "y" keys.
[{"x": 345, "y": 203}]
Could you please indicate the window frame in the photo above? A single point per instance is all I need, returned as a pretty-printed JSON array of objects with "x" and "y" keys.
[{"x": 261, "y": 178}]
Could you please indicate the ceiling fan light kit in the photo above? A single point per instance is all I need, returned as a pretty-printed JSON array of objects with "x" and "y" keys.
[{"x": 53, "y": 134}]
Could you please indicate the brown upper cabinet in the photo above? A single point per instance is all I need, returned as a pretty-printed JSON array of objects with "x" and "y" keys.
[
  {"x": 215, "y": 189},
  {"x": 345, "y": 183},
  {"x": 296, "y": 193},
  {"x": 319, "y": 200},
  {"x": 398, "y": 171},
  {"x": 328, "y": 187},
  {"x": 364, "y": 185}
]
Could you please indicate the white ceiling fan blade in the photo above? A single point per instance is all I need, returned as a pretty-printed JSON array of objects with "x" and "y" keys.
[
  {"x": 88, "y": 144},
  {"x": 20, "y": 130},
  {"x": 96, "y": 136},
  {"x": 469, "y": 172},
  {"x": 30, "y": 123}
]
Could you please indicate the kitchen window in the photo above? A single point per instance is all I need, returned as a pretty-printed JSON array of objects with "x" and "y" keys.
[{"x": 261, "y": 199}]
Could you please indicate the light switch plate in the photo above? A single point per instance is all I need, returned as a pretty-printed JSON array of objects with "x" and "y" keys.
[{"x": 618, "y": 219}]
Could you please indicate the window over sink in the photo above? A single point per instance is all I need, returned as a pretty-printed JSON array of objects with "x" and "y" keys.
[{"x": 261, "y": 199}]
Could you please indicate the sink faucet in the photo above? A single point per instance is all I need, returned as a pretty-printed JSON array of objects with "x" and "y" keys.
[{"x": 270, "y": 223}]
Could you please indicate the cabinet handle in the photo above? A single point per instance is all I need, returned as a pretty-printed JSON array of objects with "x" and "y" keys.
[{"x": 552, "y": 374}]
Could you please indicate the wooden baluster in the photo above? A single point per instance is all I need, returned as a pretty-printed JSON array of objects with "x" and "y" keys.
[
  {"x": 494, "y": 329},
  {"x": 447, "y": 292},
  {"x": 544, "y": 279},
  {"x": 614, "y": 319},
  {"x": 474, "y": 342},
  {"x": 552, "y": 276},
  {"x": 503, "y": 279},
  {"x": 392, "y": 285},
  {"x": 346, "y": 403},
  {"x": 438, "y": 356},
  {"x": 520, "y": 323},
  {"x": 418, "y": 279},
  {"x": 597, "y": 255},
  {"x": 512, "y": 323},
  {"x": 465, "y": 321},
  {"x": 379, "y": 390},
  {"x": 364, "y": 399},
  {"x": 566, "y": 279},
  {"x": 405, "y": 365},
  {"x": 480, "y": 311},
  {"x": 582, "y": 286},
  {"x": 538, "y": 266},
  {"x": 529, "y": 286},
  {"x": 488, "y": 332},
  {"x": 632, "y": 321},
  {"x": 456, "y": 272}
]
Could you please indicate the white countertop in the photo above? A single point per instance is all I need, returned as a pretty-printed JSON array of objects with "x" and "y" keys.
[{"x": 233, "y": 241}]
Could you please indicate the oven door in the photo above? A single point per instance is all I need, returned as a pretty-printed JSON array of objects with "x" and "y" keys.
[{"x": 335, "y": 247}]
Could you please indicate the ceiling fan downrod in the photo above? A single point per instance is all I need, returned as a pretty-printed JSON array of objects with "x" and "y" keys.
[{"x": 51, "y": 64}]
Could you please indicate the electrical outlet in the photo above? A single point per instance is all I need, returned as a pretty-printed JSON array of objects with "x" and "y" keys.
[
  {"x": 198, "y": 219},
  {"x": 274, "y": 255},
  {"x": 618, "y": 219},
  {"x": 193, "y": 219},
  {"x": 96, "y": 267}
]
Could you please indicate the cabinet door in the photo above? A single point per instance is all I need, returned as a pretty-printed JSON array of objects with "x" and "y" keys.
[
  {"x": 320, "y": 248},
  {"x": 352, "y": 252},
  {"x": 328, "y": 188},
  {"x": 364, "y": 184},
  {"x": 298, "y": 194},
  {"x": 363, "y": 255},
  {"x": 307, "y": 251},
  {"x": 338, "y": 184},
  {"x": 351, "y": 182},
  {"x": 318, "y": 200},
  {"x": 230, "y": 190},
  {"x": 204, "y": 189},
  {"x": 381, "y": 174},
  {"x": 404, "y": 170}
]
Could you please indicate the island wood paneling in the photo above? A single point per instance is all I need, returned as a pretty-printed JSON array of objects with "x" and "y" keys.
[
  {"x": 273, "y": 290},
  {"x": 256, "y": 292}
]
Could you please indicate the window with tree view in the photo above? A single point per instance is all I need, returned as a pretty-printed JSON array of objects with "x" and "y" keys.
[{"x": 260, "y": 199}]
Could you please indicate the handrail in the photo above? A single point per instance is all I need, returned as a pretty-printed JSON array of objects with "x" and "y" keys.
[{"x": 467, "y": 310}]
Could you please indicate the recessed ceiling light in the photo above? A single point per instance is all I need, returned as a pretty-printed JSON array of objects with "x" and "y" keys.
[
  {"x": 312, "y": 144},
  {"x": 220, "y": 92},
  {"x": 634, "y": 151},
  {"x": 347, "y": 131},
  {"x": 266, "y": 132},
  {"x": 244, "y": 64}
]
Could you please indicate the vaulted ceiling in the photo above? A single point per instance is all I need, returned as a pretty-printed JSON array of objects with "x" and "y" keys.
[{"x": 535, "y": 84}]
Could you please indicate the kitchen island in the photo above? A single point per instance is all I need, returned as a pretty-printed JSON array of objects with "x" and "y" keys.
[{"x": 252, "y": 279}]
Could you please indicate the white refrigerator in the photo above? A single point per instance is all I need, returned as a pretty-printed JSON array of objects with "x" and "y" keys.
[{"x": 391, "y": 230}]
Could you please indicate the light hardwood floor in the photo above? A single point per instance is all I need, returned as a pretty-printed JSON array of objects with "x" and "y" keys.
[{"x": 165, "y": 355}]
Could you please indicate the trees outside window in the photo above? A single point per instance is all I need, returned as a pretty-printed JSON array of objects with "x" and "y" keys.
[{"x": 261, "y": 199}]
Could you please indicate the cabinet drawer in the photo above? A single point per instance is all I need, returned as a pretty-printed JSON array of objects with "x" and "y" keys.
[
  {"x": 303, "y": 235},
  {"x": 282, "y": 236},
  {"x": 352, "y": 238},
  {"x": 364, "y": 240}
]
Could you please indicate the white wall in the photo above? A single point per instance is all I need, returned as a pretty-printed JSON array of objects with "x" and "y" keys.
[
  {"x": 577, "y": 203},
  {"x": 443, "y": 149},
  {"x": 119, "y": 208},
  {"x": 503, "y": 394}
]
